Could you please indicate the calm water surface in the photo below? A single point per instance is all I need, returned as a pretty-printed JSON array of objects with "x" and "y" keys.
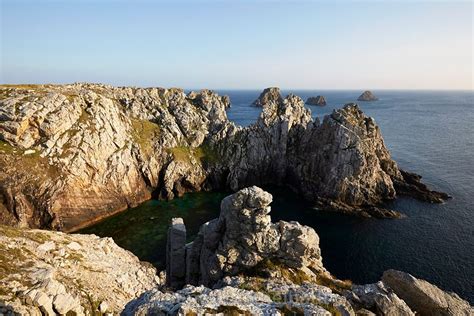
[{"x": 430, "y": 133}]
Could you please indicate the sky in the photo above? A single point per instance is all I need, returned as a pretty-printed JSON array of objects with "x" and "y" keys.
[{"x": 240, "y": 44}]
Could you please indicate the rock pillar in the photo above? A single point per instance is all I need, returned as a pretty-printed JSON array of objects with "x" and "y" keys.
[{"x": 176, "y": 254}]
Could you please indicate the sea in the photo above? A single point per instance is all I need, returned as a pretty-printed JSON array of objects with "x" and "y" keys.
[{"x": 430, "y": 133}]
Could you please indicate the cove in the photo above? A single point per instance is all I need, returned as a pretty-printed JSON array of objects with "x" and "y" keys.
[{"x": 358, "y": 249}]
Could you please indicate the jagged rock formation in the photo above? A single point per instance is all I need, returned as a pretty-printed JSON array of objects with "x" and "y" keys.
[
  {"x": 49, "y": 273},
  {"x": 318, "y": 100},
  {"x": 254, "y": 266},
  {"x": 73, "y": 154},
  {"x": 268, "y": 95},
  {"x": 243, "y": 237},
  {"x": 99, "y": 149},
  {"x": 367, "y": 96}
]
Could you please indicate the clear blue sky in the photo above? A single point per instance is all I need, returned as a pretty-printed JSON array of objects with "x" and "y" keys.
[{"x": 239, "y": 44}]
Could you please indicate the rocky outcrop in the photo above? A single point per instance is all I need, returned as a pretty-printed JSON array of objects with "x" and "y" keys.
[
  {"x": 378, "y": 298},
  {"x": 248, "y": 265},
  {"x": 269, "y": 95},
  {"x": 424, "y": 297},
  {"x": 367, "y": 96},
  {"x": 318, "y": 100},
  {"x": 74, "y": 154},
  {"x": 243, "y": 237},
  {"x": 306, "y": 299},
  {"x": 99, "y": 149},
  {"x": 49, "y": 273}
]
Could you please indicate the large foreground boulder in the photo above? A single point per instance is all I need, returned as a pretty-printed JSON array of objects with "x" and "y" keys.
[
  {"x": 49, "y": 273},
  {"x": 424, "y": 297}
]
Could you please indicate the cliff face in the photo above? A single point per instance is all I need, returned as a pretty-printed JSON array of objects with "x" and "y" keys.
[{"x": 73, "y": 154}]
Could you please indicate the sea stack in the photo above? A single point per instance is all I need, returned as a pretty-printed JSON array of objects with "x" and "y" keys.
[
  {"x": 367, "y": 96},
  {"x": 268, "y": 95},
  {"x": 319, "y": 100}
]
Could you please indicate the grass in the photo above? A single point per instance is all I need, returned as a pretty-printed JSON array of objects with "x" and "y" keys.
[
  {"x": 6, "y": 148},
  {"x": 263, "y": 268},
  {"x": 34, "y": 163},
  {"x": 143, "y": 133},
  {"x": 337, "y": 286},
  {"x": 203, "y": 153},
  {"x": 21, "y": 86}
]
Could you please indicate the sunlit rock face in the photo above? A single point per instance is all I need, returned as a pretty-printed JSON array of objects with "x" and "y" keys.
[
  {"x": 73, "y": 154},
  {"x": 244, "y": 237}
]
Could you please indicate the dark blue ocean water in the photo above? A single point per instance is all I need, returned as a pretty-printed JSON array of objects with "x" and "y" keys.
[{"x": 429, "y": 133}]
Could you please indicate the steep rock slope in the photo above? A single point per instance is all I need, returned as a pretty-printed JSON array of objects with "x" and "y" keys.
[
  {"x": 73, "y": 154},
  {"x": 49, "y": 273}
]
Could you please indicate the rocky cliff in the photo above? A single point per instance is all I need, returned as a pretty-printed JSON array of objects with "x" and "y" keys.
[
  {"x": 73, "y": 154},
  {"x": 49, "y": 273},
  {"x": 240, "y": 263}
]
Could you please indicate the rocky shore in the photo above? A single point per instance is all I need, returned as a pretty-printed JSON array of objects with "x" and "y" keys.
[
  {"x": 239, "y": 264},
  {"x": 73, "y": 154}
]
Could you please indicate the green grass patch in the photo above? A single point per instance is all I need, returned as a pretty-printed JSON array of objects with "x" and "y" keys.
[
  {"x": 144, "y": 132},
  {"x": 203, "y": 153}
]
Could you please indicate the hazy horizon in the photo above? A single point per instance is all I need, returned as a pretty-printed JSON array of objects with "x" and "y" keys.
[{"x": 222, "y": 45}]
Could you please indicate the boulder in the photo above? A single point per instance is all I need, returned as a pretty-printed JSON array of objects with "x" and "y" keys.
[
  {"x": 367, "y": 96},
  {"x": 378, "y": 298},
  {"x": 318, "y": 100},
  {"x": 423, "y": 297}
]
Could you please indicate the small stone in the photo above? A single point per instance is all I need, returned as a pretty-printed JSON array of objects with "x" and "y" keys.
[
  {"x": 29, "y": 152},
  {"x": 74, "y": 246},
  {"x": 103, "y": 307},
  {"x": 47, "y": 246}
]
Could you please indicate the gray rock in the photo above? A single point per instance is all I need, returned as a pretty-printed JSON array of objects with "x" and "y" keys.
[
  {"x": 380, "y": 299},
  {"x": 243, "y": 237},
  {"x": 176, "y": 254},
  {"x": 423, "y": 297},
  {"x": 318, "y": 100},
  {"x": 64, "y": 281},
  {"x": 367, "y": 96}
]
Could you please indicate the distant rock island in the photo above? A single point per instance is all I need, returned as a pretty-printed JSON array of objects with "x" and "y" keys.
[
  {"x": 268, "y": 95},
  {"x": 318, "y": 100},
  {"x": 367, "y": 96}
]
